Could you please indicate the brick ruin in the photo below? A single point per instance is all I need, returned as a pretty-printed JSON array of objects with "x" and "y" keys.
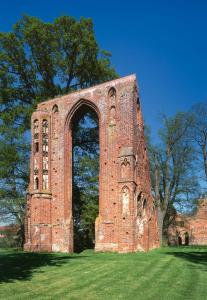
[
  {"x": 190, "y": 230},
  {"x": 127, "y": 219}
]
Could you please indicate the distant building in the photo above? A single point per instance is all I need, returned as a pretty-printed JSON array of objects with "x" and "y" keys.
[
  {"x": 2, "y": 232},
  {"x": 190, "y": 230},
  {"x": 12, "y": 229}
]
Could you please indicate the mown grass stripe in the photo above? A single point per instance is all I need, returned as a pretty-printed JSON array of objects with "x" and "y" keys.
[{"x": 169, "y": 273}]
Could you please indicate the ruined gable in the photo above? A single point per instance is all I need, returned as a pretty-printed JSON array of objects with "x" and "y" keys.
[{"x": 127, "y": 220}]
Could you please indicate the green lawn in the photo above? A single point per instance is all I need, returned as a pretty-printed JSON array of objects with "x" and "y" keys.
[{"x": 167, "y": 273}]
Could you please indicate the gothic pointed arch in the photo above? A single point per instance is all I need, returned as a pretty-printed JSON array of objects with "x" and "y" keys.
[{"x": 77, "y": 106}]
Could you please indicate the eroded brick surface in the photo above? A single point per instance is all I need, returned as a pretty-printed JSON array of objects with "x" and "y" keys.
[{"x": 127, "y": 220}]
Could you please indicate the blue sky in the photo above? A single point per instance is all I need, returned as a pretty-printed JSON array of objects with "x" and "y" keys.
[{"x": 165, "y": 44}]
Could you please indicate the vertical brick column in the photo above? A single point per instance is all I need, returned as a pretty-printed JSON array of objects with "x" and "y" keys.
[{"x": 39, "y": 203}]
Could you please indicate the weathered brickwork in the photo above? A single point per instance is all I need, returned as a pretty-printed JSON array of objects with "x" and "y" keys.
[
  {"x": 127, "y": 220},
  {"x": 190, "y": 230}
]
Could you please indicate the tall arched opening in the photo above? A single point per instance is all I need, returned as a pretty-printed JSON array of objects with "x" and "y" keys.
[
  {"x": 84, "y": 128},
  {"x": 186, "y": 239}
]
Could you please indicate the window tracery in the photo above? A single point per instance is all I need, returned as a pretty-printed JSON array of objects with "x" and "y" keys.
[
  {"x": 45, "y": 127},
  {"x": 45, "y": 150},
  {"x": 36, "y": 150}
]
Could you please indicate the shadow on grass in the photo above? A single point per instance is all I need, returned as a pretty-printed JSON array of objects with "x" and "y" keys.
[
  {"x": 198, "y": 258},
  {"x": 21, "y": 265}
]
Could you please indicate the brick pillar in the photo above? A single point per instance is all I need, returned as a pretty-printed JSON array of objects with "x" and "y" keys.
[{"x": 39, "y": 203}]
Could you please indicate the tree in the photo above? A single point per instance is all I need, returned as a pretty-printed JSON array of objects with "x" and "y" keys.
[
  {"x": 199, "y": 132},
  {"x": 39, "y": 61},
  {"x": 172, "y": 168}
]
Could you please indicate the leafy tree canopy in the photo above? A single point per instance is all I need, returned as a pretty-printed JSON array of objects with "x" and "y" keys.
[
  {"x": 39, "y": 61},
  {"x": 42, "y": 60}
]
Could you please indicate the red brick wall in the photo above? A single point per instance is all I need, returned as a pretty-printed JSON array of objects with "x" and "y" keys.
[
  {"x": 124, "y": 224},
  {"x": 195, "y": 226}
]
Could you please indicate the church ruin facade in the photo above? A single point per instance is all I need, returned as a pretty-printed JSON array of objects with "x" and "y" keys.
[
  {"x": 189, "y": 229},
  {"x": 127, "y": 219}
]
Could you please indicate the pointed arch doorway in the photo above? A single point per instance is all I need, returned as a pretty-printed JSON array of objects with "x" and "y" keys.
[{"x": 84, "y": 165}]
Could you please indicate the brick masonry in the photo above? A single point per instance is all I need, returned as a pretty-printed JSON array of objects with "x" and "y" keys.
[
  {"x": 127, "y": 220},
  {"x": 190, "y": 230}
]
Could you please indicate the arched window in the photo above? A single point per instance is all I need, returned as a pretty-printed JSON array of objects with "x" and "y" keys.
[
  {"x": 45, "y": 182},
  {"x": 45, "y": 126},
  {"x": 36, "y": 147},
  {"x": 112, "y": 92},
  {"x": 139, "y": 205},
  {"x": 45, "y": 145},
  {"x": 112, "y": 97},
  {"x": 35, "y": 164},
  {"x": 186, "y": 239},
  {"x": 45, "y": 131},
  {"x": 112, "y": 105},
  {"x": 45, "y": 163},
  {"x": 55, "y": 109},
  {"x": 55, "y": 121},
  {"x": 36, "y": 183},
  {"x": 36, "y": 126},
  {"x": 144, "y": 204}
]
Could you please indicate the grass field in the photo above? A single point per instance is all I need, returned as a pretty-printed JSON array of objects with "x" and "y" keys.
[{"x": 167, "y": 273}]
